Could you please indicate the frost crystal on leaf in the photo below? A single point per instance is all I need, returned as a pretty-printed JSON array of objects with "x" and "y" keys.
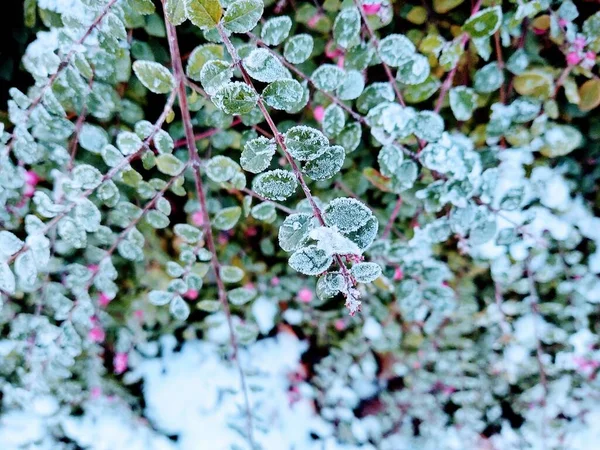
[
  {"x": 396, "y": 49},
  {"x": 305, "y": 143},
  {"x": 276, "y": 30},
  {"x": 347, "y": 214},
  {"x": 154, "y": 76},
  {"x": 294, "y": 231},
  {"x": 310, "y": 260},
  {"x": 257, "y": 154},
  {"x": 263, "y": 66},
  {"x": 275, "y": 184},
  {"x": 298, "y": 48}
]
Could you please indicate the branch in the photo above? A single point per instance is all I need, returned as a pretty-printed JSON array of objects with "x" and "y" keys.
[{"x": 180, "y": 81}]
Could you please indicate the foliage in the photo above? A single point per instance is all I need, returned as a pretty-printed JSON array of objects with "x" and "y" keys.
[{"x": 411, "y": 185}]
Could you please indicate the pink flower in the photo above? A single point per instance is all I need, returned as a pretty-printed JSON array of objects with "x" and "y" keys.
[
  {"x": 398, "y": 274},
  {"x": 250, "y": 232},
  {"x": 32, "y": 178},
  {"x": 318, "y": 113},
  {"x": 371, "y": 8},
  {"x": 191, "y": 294},
  {"x": 305, "y": 295},
  {"x": 104, "y": 300},
  {"x": 198, "y": 218},
  {"x": 590, "y": 55},
  {"x": 120, "y": 363},
  {"x": 97, "y": 334},
  {"x": 139, "y": 314},
  {"x": 573, "y": 58},
  {"x": 340, "y": 324},
  {"x": 275, "y": 281}
]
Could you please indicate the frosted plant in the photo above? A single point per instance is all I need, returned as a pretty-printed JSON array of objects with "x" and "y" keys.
[{"x": 410, "y": 187}]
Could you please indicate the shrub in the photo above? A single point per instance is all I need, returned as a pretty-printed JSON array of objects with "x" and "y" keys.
[{"x": 409, "y": 188}]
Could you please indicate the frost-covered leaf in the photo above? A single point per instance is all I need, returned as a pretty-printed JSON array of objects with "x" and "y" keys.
[
  {"x": 489, "y": 78},
  {"x": 154, "y": 76},
  {"x": 25, "y": 269},
  {"x": 298, "y": 48},
  {"x": 283, "y": 94},
  {"x": 463, "y": 101},
  {"x": 328, "y": 77},
  {"x": 221, "y": 168},
  {"x": 179, "y": 308},
  {"x": 560, "y": 140},
  {"x": 429, "y": 126},
  {"x": 264, "y": 211},
  {"x": 263, "y": 66},
  {"x": 350, "y": 137},
  {"x": 305, "y": 143},
  {"x": 87, "y": 215},
  {"x": 9, "y": 244},
  {"x": 160, "y": 298},
  {"x": 347, "y": 214},
  {"x": 205, "y": 14},
  {"x": 188, "y": 233},
  {"x": 235, "y": 98},
  {"x": 231, "y": 274},
  {"x": 128, "y": 142},
  {"x": 275, "y": 184},
  {"x": 346, "y": 27},
  {"x": 169, "y": 164},
  {"x": 226, "y": 218},
  {"x": 366, "y": 272},
  {"x": 257, "y": 154},
  {"x": 366, "y": 234},
  {"x": 390, "y": 158},
  {"x": 333, "y": 242},
  {"x": 396, "y": 49},
  {"x": 175, "y": 11},
  {"x": 352, "y": 86},
  {"x": 484, "y": 23},
  {"x": 414, "y": 71},
  {"x": 7, "y": 279},
  {"x": 243, "y": 15},
  {"x": 276, "y": 30},
  {"x": 157, "y": 219},
  {"x": 87, "y": 177},
  {"x": 334, "y": 120},
  {"x": 294, "y": 231},
  {"x": 214, "y": 74},
  {"x": 329, "y": 285},
  {"x": 310, "y": 260},
  {"x": 163, "y": 142},
  {"x": 200, "y": 56},
  {"x": 326, "y": 165},
  {"x": 72, "y": 232},
  {"x": 241, "y": 296},
  {"x": 92, "y": 138}
]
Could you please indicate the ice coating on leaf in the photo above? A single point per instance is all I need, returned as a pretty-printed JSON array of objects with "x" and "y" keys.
[
  {"x": 243, "y": 15},
  {"x": 283, "y": 94},
  {"x": 264, "y": 211},
  {"x": 226, "y": 218},
  {"x": 214, "y": 74},
  {"x": 128, "y": 142},
  {"x": 330, "y": 285},
  {"x": 414, "y": 71},
  {"x": 390, "y": 158},
  {"x": 352, "y": 86},
  {"x": 154, "y": 76},
  {"x": 200, "y": 56},
  {"x": 346, "y": 27},
  {"x": 294, "y": 231},
  {"x": 429, "y": 125},
  {"x": 305, "y": 143},
  {"x": 92, "y": 138},
  {"x": 326, "y": 165},
  {"x": 263, "y": 66},
  {"x": 310, "y": 260},
  {"x": 395, "y": 49},
  {"x": 484, "y": 23},
  {"x": 366, "y": 234},
  {"x": 160, "y": 298},
  {"x": 221, "y": 168},
  {"x": 390, "y": 121},
  {"x": 86, "y": 176},
  {"x": 463, "y": 101},
  {"x": 298, "y": 48},
  {"x": 9, "y": 244},
  {"x": 257, "y": 154},
  {"x": 328, "y": 77},
  {"x": 489, "y": 78},
  {"x": 179, "y": 308},
  {"x": 333, "y": 242},
  {"x": 366, "y": 272},
  {"x": 275, "y": 184},
  {"x": 87, "y": 215},
  {"x": 347, "y": 214},
  {"x": 7, "y": 279},
  {"x": 235, "y": 98},
  {"x": 334, "y": 120},
  {"x": 276, "y": 30}
]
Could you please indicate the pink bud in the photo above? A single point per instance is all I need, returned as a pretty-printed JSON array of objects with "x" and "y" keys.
[
  {"x": 340, "y": 324},
  {"x": 305, "y": 295},
  {"x": 573, "y": 58},
  {"x": 97, "y": 334},
  {"x": 275, "y": 281},
  {"x": 32, "y": 178},
  {"x": 198, "y": 218},
  {"x": 104, "y": 300},
  {"x": 251, "y": 232},
  {"x": 398, "y": 274},
  {"x": 319, "y": 112},
  {"x": 139, "y": 314},
  {"x": 331, "y": 51},
  {"x": 95, "y": 392},
  {"x": 120, "y": 363},
  {"x": 313, "y": 20},
  {"x": 371, "y": 8},
  {"x": 590, "y": 55},
  {"x": 29, "y": 191},
  {"x": 249, "y": 285},
  {"x": 579, "y": 43},
  {"x": 191, "y": 294}
]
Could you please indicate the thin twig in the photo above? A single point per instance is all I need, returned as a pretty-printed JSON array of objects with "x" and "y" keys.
[{"x": 392, "y": 219}]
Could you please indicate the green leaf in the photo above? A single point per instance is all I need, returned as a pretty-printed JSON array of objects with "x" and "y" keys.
[
  {"x": 231, "y": 274},
  {"x": 346, "y": 27},
  {"x": 157, "y": 219},
  {"x": 589, "y": 93},
  {"x": 328, "y": 77},
  {"x": 334, "y": 120},
  {"x": 264, "y": 211},
  {"x": 160, "y": 298},
  {"x": 235, "y": 98},
  {"x": 347, "y": 214},
  {"x": 283, "y": 94},
  {"x": 395, "y": 49},
  {"x": 257, "y": 154},
  {"x": 294, "y": 231},
  {"x": 414, "y": 71},
  {"x": 154, "y": 76},
  {"x": 275, "y": 184},
  {"x": 175, "y": 11},
  {"x": 87, "y": 215},
  {"x": 263, "y": 66},
  {"x": 365, "y": 272},
  {"x": 87, "y": 177},
  {"x": 200, "y": 56},
  {"x": 326, "y": 165},
  {"x": 9, "y": 244},
  {"x": 490, "y": 77},
  {"x": 128, "y": 142},
  {"x": 205, "y": 14},
  {"x": 214, "y": 74},
  {"x": 188, "y": 233},
  {"x": 7, "y": 279},
  {"x": 352, "y": 86},
  {"x": 209, "y": 306},
  {"x": 243, "y": 15},
  {"x": 305, "y": 143},
  {"x": 463, "y": 101},
  {"x": 169, "y": 164},
  {"x": 275, "y": 30},
  {"x": 221, "y": 168},
  {"x": 484, "y": 23},
  {"x": 310, "y": 260},
  {"x": 226, "y": 218},
  {"x": 241, "y": 296},
  {"x": 298, "y": 48},
  {"x": 179, "y": 308}
]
